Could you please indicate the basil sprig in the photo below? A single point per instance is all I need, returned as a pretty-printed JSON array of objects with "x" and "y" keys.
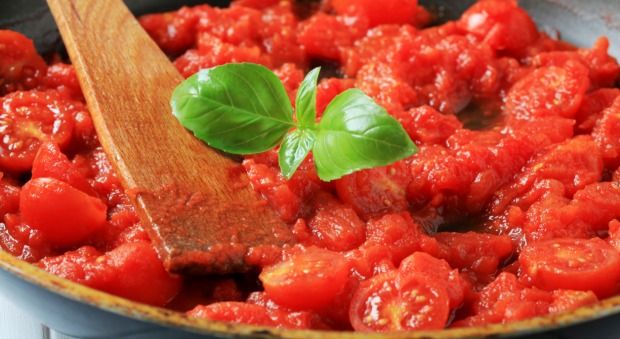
[{"x": 243, "y": 108}]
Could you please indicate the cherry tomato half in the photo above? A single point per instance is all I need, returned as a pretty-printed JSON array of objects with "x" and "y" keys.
[
  {"x": 306, "y": 281},
  {"x": 574, "y": 264},
  {"x": 65, "y": 215},
  {"x": 389, "y": 302}
]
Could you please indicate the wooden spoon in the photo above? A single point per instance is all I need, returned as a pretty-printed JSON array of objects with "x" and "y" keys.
[{"x": 191, "y": 199}]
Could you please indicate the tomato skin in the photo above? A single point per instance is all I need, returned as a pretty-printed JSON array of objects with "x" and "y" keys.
[
  {"x": 401, "y": 235},
  {"x": 144, "y": 278},
  {"x": 62, "y": 78},
  {"x": 9, "y": 197},
  {"x": 103, "y": 177},
  {"x": 369, "y": 260},
  {"x": 324, "y": 36},
  {"x": 390, "y": 302},
  {"x": 506, "y": 299},
  {"x": 28, "y": 119},
  {"x": 21, "y": 240},
  {"x": 376, "y": 191},
  {"x": 478, "y": 253},
  {"x": 335, "y": 226},
  {"x": 286, "y": 318},
  {"x": 426, "y": 125},
  {"x": 233, "y": 312},
  {"x": 20, "y": 64},
  {"x": 548, "y": 180},
  {"x": 256, "y": 312},
  {"x": 268, "y": 181},
  {"x": 606, "y": 134},
  {"x": 575, "y": 264},
  {"x": 568, "y": 300},
  {"x": 379, "y": 12},
  {"x": 132, "y": 271},
  {"x": 50, "y": 162},
  {"x": 549, "y": 91},
  {"x": 423, "y": 264},
  {"x": 501, "y": 24},
  {"x": 591, "y": 110},
  {"x": 46, "y": 205},
  {"x": 306, "y": 281},
  {"x": 173, "y": 32}
]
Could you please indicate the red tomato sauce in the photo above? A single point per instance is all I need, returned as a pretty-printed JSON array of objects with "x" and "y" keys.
[{"x": 509, "y": 211}]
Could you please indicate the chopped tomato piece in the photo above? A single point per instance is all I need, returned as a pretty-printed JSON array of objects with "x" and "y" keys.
[
  {"x": 20, "y": 64},
  {"x": 575, "y": 264},
  {"x": 370, "y": 260},
  {"x": 549, "y": 91},
  {"x": 401, "y": 234},
  {"x": 428, "y": 126},
  {"x": 479, "y": 253},
  {"x": 270, "y": 183},
  {"x": 380, "y": 12},
  {"x": 62, "y": 78},
  {"x": 50, "y": 162},
  {"x": 23, "y": 241},
  {"x": 376, "y": 191},
  {"x": 144, "y": 277},
  {"x": 606, "y": 134},
  {"x": 233, "y": 312},
  {"x": 506, "y": 299},
  {"x": 306, "y": 281},
  {"x": 568, "y": 300},
  {"x": 423, "y": 264},
  {"x": 336, "y": 227},
  {"x": 324, "y": 36},
  {"x": 286, "y": 318},
  {"x": 132, "y": 271},
  {"x": 594, "y": 103},
  {"x": 501, "y": 24},
  {"x": 388, "y": 302},
  {"x": 9, "y": 197},
  {"x": 173, "y": 32},
  {"x": 65, "y": 215},
  {"x": 28, "y": 119}
]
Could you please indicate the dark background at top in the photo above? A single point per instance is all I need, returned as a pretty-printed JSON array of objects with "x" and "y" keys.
[{"x": 578, "y": 21}]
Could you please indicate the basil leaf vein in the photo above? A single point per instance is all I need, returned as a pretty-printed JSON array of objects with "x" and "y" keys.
[
  {"x": 354, "y": 134},
  {"x": 227, "y": 106}
]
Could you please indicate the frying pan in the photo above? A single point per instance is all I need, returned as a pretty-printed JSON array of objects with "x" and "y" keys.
[{"x": 81, "y": 312}]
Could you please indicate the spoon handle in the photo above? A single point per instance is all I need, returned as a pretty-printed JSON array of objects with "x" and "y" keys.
[{"x": 185, "y": 192}]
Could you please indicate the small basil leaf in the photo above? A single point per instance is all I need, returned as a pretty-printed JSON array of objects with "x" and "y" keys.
[
  {"x": 305, "y": 103},
  {"x": 237, "y": 108},
  {"x": 355, "y": 133},
  {"x": 294, "y": 149}
]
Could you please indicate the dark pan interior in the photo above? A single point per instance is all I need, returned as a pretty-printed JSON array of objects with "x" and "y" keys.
[{"x": 577, "y": 21}]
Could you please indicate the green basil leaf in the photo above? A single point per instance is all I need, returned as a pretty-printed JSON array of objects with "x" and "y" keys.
[
  {"x": 237, "y": 108},
  {"x": 305, "y": 103},
  {"x": 294, "y": 150},
  {"x": 355, "y": 133}
]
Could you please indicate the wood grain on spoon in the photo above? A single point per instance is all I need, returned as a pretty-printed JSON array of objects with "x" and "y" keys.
[{"x": 184, "y": 191}]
